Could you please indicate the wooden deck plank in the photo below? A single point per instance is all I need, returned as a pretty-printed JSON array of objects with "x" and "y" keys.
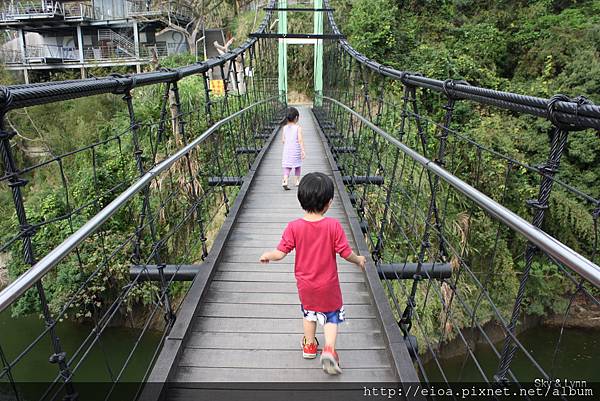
[
  {"x": 252, "y": 255},
  {"x": 271, "y": 218},
  {"x": 277, "y": 287},
  {"x": 274, "y": 227},
  {"x": 279, "y": 311},
  {"x": 241, "y": 236},
  {"x": 311, "y": 393},
  {"x": 270, "y": 325},
  {"x": 288, "y": 215},
  {"x": 276, "y": 268},
  {"x": 190, "y": 375},
  {"x": 259, "y": 228},
  {"x": 278, "y": 359},
  {"x": 352, "y": 298},
  {"x": 265, "y": 276},
  {"x": 282, "y": 266},
  {"x": 280, "y": 341}
]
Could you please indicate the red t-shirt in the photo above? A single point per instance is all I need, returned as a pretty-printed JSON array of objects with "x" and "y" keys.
[{"x": 316, "y": 243}]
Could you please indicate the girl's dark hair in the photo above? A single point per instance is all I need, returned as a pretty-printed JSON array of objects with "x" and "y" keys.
[
  {"x": 315, "y": 192},
  {"x": 290, "y": 115}
]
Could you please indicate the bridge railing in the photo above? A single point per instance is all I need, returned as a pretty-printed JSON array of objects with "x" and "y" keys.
[
  {"x": 94, "y": 234},
  {"x": 469, "y": 240}
]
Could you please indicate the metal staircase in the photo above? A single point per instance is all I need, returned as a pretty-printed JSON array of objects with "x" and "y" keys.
[{"x": 120, "y": 42}]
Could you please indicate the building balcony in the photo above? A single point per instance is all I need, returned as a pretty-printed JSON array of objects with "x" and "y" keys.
[
  {"x": 155, "y": 9},
  {"x": 52, "y": 56},
  {"x": 30, "y": 10},
  {"x": 8, "y": 56},
  {"x": 16, "y": 13},
  {"x": 46, "y": 10},
  {"x": 79, "y": 12}
]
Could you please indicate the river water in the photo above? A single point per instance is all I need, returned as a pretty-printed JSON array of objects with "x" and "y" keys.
[
  {"x": 578, "y": 357},
  {"x": 33, "y": 372}
]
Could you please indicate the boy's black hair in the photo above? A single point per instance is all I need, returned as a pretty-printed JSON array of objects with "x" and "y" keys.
[
  {"x": 315, "y": 192},
  {"x": 290, "y": 115}
]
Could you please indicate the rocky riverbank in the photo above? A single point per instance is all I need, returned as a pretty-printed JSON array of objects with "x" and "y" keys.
[{"x": 583, "y": 314}]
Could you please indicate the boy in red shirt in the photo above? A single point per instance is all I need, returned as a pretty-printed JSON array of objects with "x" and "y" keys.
[{"x": 317, "y": 239}]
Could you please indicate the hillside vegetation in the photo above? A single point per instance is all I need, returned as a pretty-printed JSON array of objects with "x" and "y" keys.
[{"x": 539, "y": 48}]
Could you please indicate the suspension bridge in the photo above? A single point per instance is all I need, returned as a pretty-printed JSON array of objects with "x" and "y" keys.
[{"x": 167, "y": 228}]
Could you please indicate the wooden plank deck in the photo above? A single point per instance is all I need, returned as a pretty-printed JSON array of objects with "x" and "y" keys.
[{"x": 248, "y": 325}]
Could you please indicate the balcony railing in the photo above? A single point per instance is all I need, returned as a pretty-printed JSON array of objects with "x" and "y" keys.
[
  {"x": 79, "y": 11},
  {"x": 105, "y": 53},
  {"x": 9, "y": 56},
  {"x": 161, "y": 50},
  {"x": 26, "y": 10},
  {"x": 144, "y": 8},
  {"x": 115, "y": 53},
  {"x": 46, "y": 9},
  {"x": 40, "y": 54}
]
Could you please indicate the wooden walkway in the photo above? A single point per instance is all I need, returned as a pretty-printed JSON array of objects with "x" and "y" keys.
[{"x": 248, "y": 325}]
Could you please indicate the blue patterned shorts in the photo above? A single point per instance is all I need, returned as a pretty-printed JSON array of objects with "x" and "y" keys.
[{"x": 335, "y": 317}]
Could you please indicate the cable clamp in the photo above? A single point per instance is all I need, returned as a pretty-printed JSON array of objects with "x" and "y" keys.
[
  {"x": 57, "y": 357},
  {"x": 15, "y": 181},
  {"x": 552, "y": 114},
  {"x": 448, "y": 87},
  {"x": 7, "y": 134},
  {"x": 8, "y": 99},
  {"x": 28, "y": 230},
  {"x": 547, "y": 169},
  {"x": 536, "y": 204}
]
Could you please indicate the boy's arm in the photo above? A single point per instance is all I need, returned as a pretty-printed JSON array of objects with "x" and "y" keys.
[
  {"x": 343, "y": 248},
  {"x": 274, "y": 255},
  {"x": 286, "y": 245},
  {"x": 356, "y": 259}
]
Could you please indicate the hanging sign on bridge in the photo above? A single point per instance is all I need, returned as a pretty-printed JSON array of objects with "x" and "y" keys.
[{"x": 217, "y": 87}]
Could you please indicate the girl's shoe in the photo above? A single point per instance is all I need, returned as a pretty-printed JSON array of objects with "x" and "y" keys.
[
  {"x": 330, "y": 361},
  {"x": 309, "y": 351},
  {"x": 285, "y": 186}
]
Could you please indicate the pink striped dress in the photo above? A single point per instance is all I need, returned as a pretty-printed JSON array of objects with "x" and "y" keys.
[{"x": 292, "y": 156}]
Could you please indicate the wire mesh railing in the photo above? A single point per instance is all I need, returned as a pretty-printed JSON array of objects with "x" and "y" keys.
[
  {"x": 444, "y": 211},
  {"x": 92, "y": 229}
]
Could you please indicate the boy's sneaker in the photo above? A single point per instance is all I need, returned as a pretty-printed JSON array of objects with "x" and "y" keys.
[
  {"x": 330, "y": 361},
  {"x": 309, "y": 351}
]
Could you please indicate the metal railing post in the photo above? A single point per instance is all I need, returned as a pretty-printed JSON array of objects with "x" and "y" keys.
[
  {"x": 405, "y": 322},
  {"x": 15, "y": 182},
  {"x": 547, "y": 171}
]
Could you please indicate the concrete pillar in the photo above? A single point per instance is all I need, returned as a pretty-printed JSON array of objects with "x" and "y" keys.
[
  {"x": 23, "y": 50},
  {"x": 22, "y": 45},
  {"x": 136, "y": 39},
  {"x": 282, "y": 28},
  {"x": 80, "y": 43}
]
